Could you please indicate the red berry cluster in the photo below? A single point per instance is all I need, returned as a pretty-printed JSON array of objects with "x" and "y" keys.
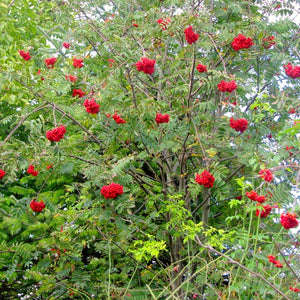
[
  {"x": 268, "y": 42},
  {"x": 2, "y": 173},
  {"x": 239, "y": 124},
  {"x": 266, "y": 175},
  {"x": 205, "y": 178},
  {"x": 118, "y": 119},
  {"x": 190, "y": 36},
  {"x": 78, "y": 63},
  {"x": 292, "y": 110},
  {"x": 66, "y": 45},
  {"x": 291, "y": 71},
  {"x": 71, "y": 78},
  {"x": 111, "y": 61},
  {"x": 288, "y": 220},
  {"x": 25, "y": 55},
  {"x": 91, "y": 106},
  {"x": 32, "y": 171},
  {"x": 201, "y": 68},
  {"x": 50, "y": 62},
  {"x": 241, "y": 42},
  {"x": 296, "y": 290},
  {"x": 277, "y": 6},
  {"x": 162, "y": 118},
  {"x": 49, "y": 167},
  {"x": 163, "y": 23},
  {"x": 37, "y": 206},
  {"x": 109, "y": 18},
  {"x": 78, "y": 93},
  {"x": 38, "y": 73},
  {"x": 146, "y": 65},
  {"x": 112, "y": 190},
  {"x": 264, "y": 212},
  {"x": 229, "y": 87},
  {"x": 289, "y": 148},
  {"x": 56, "y": 134},
  {"x": 253, "y": 196},
  {"x": 272, "y": 260}
]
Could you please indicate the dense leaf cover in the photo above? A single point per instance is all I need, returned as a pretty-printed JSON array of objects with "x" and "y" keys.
[{"x": 149, "y": 149}]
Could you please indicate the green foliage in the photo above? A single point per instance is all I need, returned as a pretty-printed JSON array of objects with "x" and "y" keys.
[
  {"x": 145, "y": 243},
  {"x": 147, "y": 249}
]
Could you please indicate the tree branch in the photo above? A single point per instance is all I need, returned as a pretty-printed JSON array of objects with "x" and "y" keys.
[
  {"x": 61, "y": 111},
  {"x": 132, "y": 89},
  {"x": 85, "y": 160},
  {"x": 230, "y": 260},
  {"x": 287, "y": 263},
  {"x": 77, "y": 123},
  {"x": 191, "y": 80},
  {"x": 22, "y": 120}
]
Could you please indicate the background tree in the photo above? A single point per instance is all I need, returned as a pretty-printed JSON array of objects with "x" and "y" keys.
[{"x": 149, "y": 150}]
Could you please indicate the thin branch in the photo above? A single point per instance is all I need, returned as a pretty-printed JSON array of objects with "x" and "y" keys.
[
  {"x": 290, "y": 41},
  {"x": 297, "y": 184},
  {"x": 254, "y": 98},
  {"x": 8, "y": 251},
  {"x": 230, "y": 260},
  {"x": 61, "y": 111},
  {"x": 191, "y": 80},
  {"x": 77, "y": 123},
  {"x": 54, "y": 118},
  {"x": 146, "y": 83},
  {"x": 96, "y": 29},
  {"x": 274, "y": 169},
  {"x": 234, "y": 172},
  {"x": 287, "y": 263},
  {"x": 201, "y": 204},
  {"x": 22, "y": 120},
  {"x": 94, "y": 47},
  {"x": 228, "y": 158},
  {"x": 199, "y": 141},
  {"x": 146, "y": 175},
  {"x": 224, "y": 65},
  {"x": 132, "y": 89},
  {"x": 138, "y": 177},
  {"x": 85, "y": 160},
  {"x": 45, "y": 181},
  {"x": 143, "y": 91},
  {"x": 124, "y": 252},
  {"x": 197, "y": 90}
]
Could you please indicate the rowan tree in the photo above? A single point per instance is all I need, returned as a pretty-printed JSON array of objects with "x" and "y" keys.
[{"x": 149, "y": 149}]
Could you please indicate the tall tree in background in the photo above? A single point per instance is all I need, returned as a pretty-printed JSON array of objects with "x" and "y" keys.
[{"x": 149, "y": 149}]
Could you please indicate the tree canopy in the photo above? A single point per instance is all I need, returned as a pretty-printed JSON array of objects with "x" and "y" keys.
[{"x": 149, "y": 149}]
